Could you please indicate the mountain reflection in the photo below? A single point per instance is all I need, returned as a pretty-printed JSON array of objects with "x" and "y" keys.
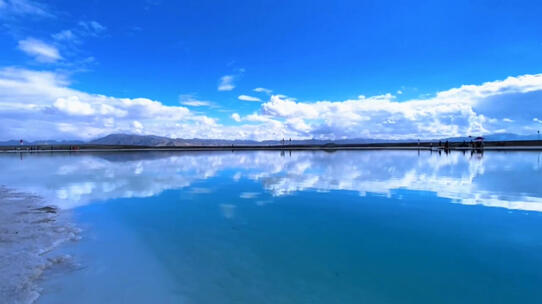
[{"x": 509, "y": 180}]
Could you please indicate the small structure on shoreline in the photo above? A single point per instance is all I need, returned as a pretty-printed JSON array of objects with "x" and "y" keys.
[{"x": 478, "y": 143}]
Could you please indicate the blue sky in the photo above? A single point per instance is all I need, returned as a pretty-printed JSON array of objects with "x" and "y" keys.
[{"x": 196, "y": 64}]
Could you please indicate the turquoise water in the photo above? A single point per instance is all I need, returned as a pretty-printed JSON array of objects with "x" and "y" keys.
[{"x": 300, "y": 227}]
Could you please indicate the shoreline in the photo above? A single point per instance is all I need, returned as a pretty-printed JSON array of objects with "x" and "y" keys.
[
  {"x": 520, "y": 145},
  {"x": 287, "y": 148},
  {"x": 30, "y": 231}
]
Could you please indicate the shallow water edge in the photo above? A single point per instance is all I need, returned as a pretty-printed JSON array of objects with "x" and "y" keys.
[{"x": 30, "y": 230}]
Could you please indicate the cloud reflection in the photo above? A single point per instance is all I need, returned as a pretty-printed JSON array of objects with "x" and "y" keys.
[{"x": 509, "y": 180}]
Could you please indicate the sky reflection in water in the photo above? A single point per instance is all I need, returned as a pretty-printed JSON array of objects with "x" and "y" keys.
[
  {"x": 509, "y": 180},
  {"x": 310, "y": 227}
]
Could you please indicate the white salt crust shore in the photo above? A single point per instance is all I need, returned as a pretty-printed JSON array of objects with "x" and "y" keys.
[{"x": 29, "y": 232}]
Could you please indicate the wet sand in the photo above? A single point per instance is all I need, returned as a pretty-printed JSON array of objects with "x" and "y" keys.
[{"x": 30, "y": 230}]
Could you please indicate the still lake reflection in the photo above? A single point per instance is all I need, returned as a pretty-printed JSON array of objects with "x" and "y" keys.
[{"x": 300, "y": 227}]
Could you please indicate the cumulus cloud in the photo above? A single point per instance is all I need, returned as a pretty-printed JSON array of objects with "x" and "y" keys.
[
  {"x": 41, "y": 105},
  {"x": 468, "y": 110},
  {"x": 248, "y": 98},
  {"x": 73, "y": 106},
  {"x": 236, "y": 117},
  {"x": 40, "y": 50},
  {"x": 226, "y": 83},
  {"x": 137, "y": 126}
]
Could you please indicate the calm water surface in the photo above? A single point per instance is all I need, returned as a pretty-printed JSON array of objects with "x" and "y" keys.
[{"x": 305, "y": 227}]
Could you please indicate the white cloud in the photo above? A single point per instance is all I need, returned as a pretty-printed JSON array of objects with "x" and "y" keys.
[
  {"x": 97, "y": 26},
  {"x": 66, "y": 35},
  {"x": 468, "y": 110},
  {"x": 70, "y": 40},
  {"x": 83, "y": 30},
  {"x": 40, "y": 50},
  {"x": 92, "y": 27},
  {"x": 73, "y": 106},
  {"x": 249, "y": 195},
  {"x": 226, "y": 83},
  {"x": 23, "y": 8},
  {"x": 137, "y": 125},
  {"x": 191, "y": 101},
  {"x": 263, "y": 90},
  {"x": 195, "y": 103},
  {"x": 248, "y": 98},
  {"x": 41, "y": 105}
]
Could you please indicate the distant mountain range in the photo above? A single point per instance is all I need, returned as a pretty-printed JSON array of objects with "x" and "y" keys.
[{"x": 160, "y": 141}]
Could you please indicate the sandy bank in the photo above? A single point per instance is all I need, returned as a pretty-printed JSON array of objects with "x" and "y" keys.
[{"x": 29, "y": 231}]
